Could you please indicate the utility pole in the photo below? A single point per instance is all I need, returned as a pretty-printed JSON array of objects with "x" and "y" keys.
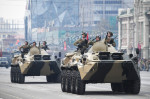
[{"x": 135, "y": 24}]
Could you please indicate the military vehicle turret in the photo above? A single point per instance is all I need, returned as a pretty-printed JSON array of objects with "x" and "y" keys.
[
  {"x": 102, "y": 63},
  {"x": 36, "y": 62}
]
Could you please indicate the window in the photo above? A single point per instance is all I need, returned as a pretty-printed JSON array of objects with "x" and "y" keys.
[
  {"x": 98, "y": 2},
  {"x": 111, "y": 12},
  {"x": 98, "y": 12},
  {"x": 4, "y": 36},
  {"x": 113, "y": 2},
  {"x": 96, "y": 22}
]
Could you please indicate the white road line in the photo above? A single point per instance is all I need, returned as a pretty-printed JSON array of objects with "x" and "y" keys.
[{"x": 11, "y": 95}]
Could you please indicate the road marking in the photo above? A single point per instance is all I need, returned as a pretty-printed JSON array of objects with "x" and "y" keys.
[
  {"x": 10, "y": 95},
  {"x": 24, "y": 94}
]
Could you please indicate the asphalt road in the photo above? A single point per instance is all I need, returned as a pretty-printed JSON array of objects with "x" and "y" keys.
[{"x": 37, "y": 88}]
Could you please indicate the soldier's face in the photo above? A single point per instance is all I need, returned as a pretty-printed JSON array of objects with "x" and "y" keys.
[
  {"x": 34, "y": 44},
  {"x": 26, "y": 43},
  {"x": 108, "y": 35},
  {"x": 43, "y": 43},
  {"x": 83, "y": 36},
  {"x": 97, "y": 39}
]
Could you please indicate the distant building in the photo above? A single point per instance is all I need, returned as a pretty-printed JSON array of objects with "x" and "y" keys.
[
  {"x": 48, "y": 19},
  {"x": 93, "y": 12},
  {"x": 101, "y": 15},
  {"x": 134, "y": 28},
  {"x": 45, "y": 16},
  {"x": 10, "y": 32}
]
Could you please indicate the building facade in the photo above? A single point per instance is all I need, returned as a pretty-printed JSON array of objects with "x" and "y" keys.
[
  {"x": 45, "y": 16},
  {"x": 134, "y": 28},
  {"x": 10, "y": 32},
  {"x": 49, "y": 19}
]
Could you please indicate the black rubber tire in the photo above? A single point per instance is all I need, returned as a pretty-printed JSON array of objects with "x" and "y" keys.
[
  {"x": 57, "y": 78},
  {"x": 132, "y": 87},
  {"x": 12, "y": 74},
  {"x": 73, "y": 81},
  {"x": 79, "y": 84},
  {"x": 136, "y": 87},
  {"x": 15, "y": 74},
  {"x": 63, "y": 80},
  {"x": 117, "y": 87},
  {"x": 68, "y": 81},
  {"x": 49, "y": 78},
  {"x": 21, "y": 77}
]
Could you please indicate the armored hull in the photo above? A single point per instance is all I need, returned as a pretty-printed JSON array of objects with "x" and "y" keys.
[
  {"x": 108, "y": 71},
  {"x": 100, "y": 64},
  {"x": 35, "y": 63}
]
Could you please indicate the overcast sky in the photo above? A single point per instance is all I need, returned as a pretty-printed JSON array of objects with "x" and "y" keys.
[{"x": 12, "y": 9}]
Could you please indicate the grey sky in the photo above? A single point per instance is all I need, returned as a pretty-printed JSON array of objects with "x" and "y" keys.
[{"x": 12, "y": 9}]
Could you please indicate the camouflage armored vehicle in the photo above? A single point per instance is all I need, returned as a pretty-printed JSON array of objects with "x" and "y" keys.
[
  {"x": 37, "y": 62},
  {"x": 102, "y": 63}
]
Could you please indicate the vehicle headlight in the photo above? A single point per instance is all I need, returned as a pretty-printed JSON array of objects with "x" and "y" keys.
[
  {"x": 46, "y": 57},
  {"x": 37, "y": 57}
]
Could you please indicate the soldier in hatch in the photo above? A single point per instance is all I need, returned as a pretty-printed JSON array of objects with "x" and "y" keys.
[
  {"x": 44, "y": 46},
  {"x": 98, "y": 38},
  {"x": 24, "y": 49},
  {"x": 82, "y": 43},
  {"x": 109, "y": 39},
  {"x": 33, "y": 45}
]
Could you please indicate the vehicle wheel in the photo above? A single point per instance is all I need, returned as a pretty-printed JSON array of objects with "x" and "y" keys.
[
  {"x": 57, "y": 78},
  {"x": 132, "y": 87},
  {"x": 79, "y": 84},
  {"x": 73, "y": 81},
  {"x": 12, "y": 74},
  {"x": 49, "y": 78},
  {"x": 20, "y": 77},
  {"x": 68, "y": 81},
  {"x": 136, "y": 87},
  {"x": 63, "y": 80},
  {"x": 117, "y": 87},
  {"x": 15, "y": 74}
]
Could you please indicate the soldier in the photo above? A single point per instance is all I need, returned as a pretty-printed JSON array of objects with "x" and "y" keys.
[
  {"x": 24, "y": 49},
  {"x": 109, "y": 39},
  {"x": 98, "y": 38},
  {"x": 82, "y": 43},
  {"x": 34, "y": 44},
  {"x": 44, "y": 46}
]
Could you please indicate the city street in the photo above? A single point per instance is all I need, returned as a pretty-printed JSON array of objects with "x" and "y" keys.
[{"x": 38, "y": 88}]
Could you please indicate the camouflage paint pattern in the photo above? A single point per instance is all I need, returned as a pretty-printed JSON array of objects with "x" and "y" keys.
[
  {"x": 108, "y": 71},
  {"x": 102, "y": 71},
  {"x": 31, "y": 67},
  {"x": 37, "y": 68}
]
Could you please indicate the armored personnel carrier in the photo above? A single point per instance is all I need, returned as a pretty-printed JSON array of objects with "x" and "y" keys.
[
  {"x": 102, "y": 63},
  {"x": 36, "y": 62}
]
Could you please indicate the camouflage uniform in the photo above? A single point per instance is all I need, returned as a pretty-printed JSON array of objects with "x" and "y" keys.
[
  {"x": 45, "y": 47},
  {"x": 25, "y": 50},
  {"x": 92, "y": 42},
  {"x": 81, "y": 44},
  {"x": 25, "y": 47},
  {"x": 110, "y": 41}
]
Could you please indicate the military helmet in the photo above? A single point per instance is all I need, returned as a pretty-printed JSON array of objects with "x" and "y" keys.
[
  {"x": 110, "y": 33},
  {"x": 45, "y": 42},
  {"x": 34, "y": 42},
  {"x": 27, "y": 42}
]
